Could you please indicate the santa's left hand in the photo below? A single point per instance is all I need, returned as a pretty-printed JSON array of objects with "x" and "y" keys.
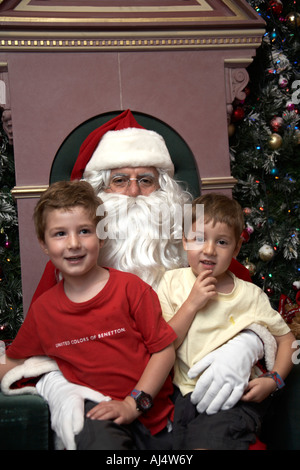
[{"x": 226, "y": 373}]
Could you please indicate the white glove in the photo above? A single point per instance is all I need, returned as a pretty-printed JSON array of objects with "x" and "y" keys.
[
  {"x": 227, "y": 373},
  {"x": 66, "y": 403}
]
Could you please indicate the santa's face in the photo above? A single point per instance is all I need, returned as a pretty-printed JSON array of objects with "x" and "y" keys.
[
  {"x": 142, "y": 227},
  {"x": 133, "y": 182},
  {"x": 143, "y": 233}
]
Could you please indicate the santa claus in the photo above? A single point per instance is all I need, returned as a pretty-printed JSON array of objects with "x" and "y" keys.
[{"x": 130, "y": 168}]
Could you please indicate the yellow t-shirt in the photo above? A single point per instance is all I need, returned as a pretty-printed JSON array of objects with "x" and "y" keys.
[{"x": 216, "y": 323}]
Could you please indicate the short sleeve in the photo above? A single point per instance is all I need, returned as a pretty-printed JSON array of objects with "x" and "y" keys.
[
  {"x": 269, "y": 317},
  {"x": 156, "y": 332}
]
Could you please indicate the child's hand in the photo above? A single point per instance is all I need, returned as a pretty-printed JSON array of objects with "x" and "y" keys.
[
  {"x": 259, "y": 389},
  {"x": 121, "y": 412},
  {"x": 203, "y": 290}
]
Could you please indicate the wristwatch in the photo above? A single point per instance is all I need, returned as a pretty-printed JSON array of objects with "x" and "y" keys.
[
  {"x": 276, "y": 377},
  {"x": 143, "y": 400}
]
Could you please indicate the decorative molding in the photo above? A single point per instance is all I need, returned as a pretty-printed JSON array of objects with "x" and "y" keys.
[
  {"x": 6, "y": 117},
  {"x": 63, "y": 7},
  {"x": 26, "y": 192},
  {"x": 226, "y": 182},
  {"x": 4, "y": 92},
  {"x": 101, "y": 41},
  {"x": 3, "y": 66},
  {"x": 236, "y": 79}
]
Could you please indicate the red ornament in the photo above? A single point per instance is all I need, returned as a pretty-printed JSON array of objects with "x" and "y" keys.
[
  {"x": 238, "y": 114},
  {"x": 245, "y": 236},
  {"x": 282, "y": 82},
  {"x": 269, "y": 291},
  {"x": 8, "y": 244},
  {"x": 247, "y": 91},
  {"x": 290, "y": 106},
  {"x": 276, "y": 6},
  {"x": 276, "y": 123},
  {"x": 247, "y": 210}
]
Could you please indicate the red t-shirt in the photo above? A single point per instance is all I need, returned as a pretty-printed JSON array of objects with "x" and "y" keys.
[{"x": 104, "y": 343}]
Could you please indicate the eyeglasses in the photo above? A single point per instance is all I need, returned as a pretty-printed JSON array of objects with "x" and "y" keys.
[{"x": 120, "y": 182}]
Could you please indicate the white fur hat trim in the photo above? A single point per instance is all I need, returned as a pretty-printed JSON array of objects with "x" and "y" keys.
[{"x": 131, "y": 147}]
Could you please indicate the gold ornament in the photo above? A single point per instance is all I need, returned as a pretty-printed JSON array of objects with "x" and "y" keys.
[
  {"x": 231, "y": 130},
  {"x": 293, "y": 19},
  {"x": 297, "y": 137},
  {"x": 275, "y": 141},
  {"x": 250, "y": 266}
]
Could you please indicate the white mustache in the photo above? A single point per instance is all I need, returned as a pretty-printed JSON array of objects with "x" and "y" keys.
[{"x": 142, "y": 250}]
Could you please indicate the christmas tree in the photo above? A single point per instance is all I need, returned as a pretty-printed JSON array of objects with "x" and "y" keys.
[
  {"x": 265, "y": 158},
  {"x": 11, "y": 310}
]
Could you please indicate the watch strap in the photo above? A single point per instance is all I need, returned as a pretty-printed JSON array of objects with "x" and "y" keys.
[
  {"x": 135, "y": 393},
  {"x": 276, "y": 377}
]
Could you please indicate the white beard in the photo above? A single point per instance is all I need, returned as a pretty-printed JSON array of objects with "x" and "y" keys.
[{"x": 143, "y": 245}]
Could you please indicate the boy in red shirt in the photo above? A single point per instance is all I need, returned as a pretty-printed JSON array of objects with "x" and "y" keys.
[{"x": 103, "y": 327}]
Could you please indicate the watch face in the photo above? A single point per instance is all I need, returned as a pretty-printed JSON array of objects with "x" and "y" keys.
[{"x": 144, "y": 402}]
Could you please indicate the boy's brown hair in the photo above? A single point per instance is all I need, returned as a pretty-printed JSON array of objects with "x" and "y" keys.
[
  {"x": 220, "y": 208},
  {"x": 65, "y": 195}
]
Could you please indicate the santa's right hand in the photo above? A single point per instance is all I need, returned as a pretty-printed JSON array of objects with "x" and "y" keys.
[{"x": 66, "y": 403}]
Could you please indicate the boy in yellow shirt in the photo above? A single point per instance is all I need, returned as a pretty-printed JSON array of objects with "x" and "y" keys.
[{"x": 207, "y": 305}]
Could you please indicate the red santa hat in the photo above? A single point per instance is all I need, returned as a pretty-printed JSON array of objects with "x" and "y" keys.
[{"x": 122, "y": 142}]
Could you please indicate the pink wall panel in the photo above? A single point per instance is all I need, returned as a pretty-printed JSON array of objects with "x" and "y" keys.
[
  {"x": 54, "y": 93},
  {"x": 186, "y": 90}
]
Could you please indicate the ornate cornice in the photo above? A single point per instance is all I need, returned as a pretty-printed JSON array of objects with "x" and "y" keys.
[
  {"x": 55, "y": 41},
  {"x": 125, "y": 25},
  {"x": 126, "y": 12}
]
